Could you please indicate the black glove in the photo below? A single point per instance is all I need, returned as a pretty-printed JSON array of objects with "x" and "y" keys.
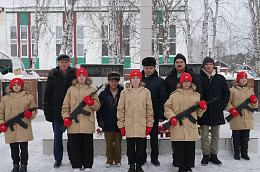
[{"x": 101, "y": 124}]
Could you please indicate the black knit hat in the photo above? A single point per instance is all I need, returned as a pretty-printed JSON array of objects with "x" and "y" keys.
[
  {"x": 207, "y": 60},
  {"x": 63, "y": 57},
  {"x": 113, "y": 75},
  {"x": 149, "y": 61},
  {"x": 180, "y": 56}
]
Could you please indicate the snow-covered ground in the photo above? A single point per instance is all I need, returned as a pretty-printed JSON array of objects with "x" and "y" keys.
[{"x": 39, "y": 162}]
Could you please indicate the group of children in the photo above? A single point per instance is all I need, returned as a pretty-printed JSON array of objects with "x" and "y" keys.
[{"x": 135, "y": 120}]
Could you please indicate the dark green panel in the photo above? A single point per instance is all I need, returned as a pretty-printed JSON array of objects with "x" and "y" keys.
[{"x": 24, "y": 18}]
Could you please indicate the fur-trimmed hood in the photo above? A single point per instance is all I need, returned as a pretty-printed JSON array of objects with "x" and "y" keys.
[
  {"x": 235, "y": 83},
  {"x": 55, "y": 71},
  {"x": 9, "y": 90},
  {"x": 127, "y": 85},
  {"x": 88, "y": 82}
]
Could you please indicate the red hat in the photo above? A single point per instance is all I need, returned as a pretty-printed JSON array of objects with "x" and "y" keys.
[
  {"x": 16, "y": 81},
  {"x": 185, "y": 77},
  {"x": 241, "y": 75},
  {"x": 135, "y": 73},
  {"x": 82, "y": 71}
]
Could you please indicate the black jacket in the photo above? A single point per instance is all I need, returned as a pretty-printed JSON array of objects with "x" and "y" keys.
[
  {"x": 214, "y": 87},
  {"x": 55, "y": 91},
  {"x": 172, "y": 81},
  {"x": 108, "y": 109},
  {"x": 159, "y": 95}
]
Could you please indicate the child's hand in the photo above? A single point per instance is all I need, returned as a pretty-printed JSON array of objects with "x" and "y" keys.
[
  {"x": 233, "y": 112},
  {"x": 28, "y": 114},
  {"x": 3, "y": 128},
  {"x": 253, "y": 99},
  {"x": 67, "y": 122},
  {"x": 122, "y": 131},
  {"x": 203, "y": 105},
  {"x": 174, "y": 121},
  {"x": 88, "y": 100}
]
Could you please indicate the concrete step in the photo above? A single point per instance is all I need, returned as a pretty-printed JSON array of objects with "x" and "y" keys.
[{"x": 164, "y": 145}]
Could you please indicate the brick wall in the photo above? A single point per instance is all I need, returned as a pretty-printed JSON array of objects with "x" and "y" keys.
[{"x": 32, "y": 87}]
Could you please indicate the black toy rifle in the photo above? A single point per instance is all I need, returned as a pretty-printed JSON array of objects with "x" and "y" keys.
[
  {"x": 186, "y": 113},
  {"x": 80, "y": 109},
  {"x": 18, "y": 119},
  {"x": 243, "y": 105}
]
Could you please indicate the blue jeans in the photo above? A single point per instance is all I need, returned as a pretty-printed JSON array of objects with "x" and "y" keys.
[{"x": 58, "y": 146}]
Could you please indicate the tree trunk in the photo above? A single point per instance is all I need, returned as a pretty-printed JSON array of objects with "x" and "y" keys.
[
  {"x": 204, "y": 38},
  {"x": 215, "y": 29},
  {"x": 188, "y": 34},
  {"x": 258, "y": 32}
]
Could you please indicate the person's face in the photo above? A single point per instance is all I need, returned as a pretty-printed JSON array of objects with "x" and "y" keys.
[
  {"x": 113, "y": 83},
  {"x": 17, "y": 88},
  {"x": 208, "y": 67},
  {"x": 243, "y": 81},
  {"x": 179, "y": 64},
  {"x": 149, "y": 70},
  {"x": 82, "y": 79},
  {"x": 135, "y": 81},
  {"x": 63, "y": 64},
  {"x": 186, "y": 85}
]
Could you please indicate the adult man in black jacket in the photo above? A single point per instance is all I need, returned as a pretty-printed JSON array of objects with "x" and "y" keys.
[
  {"x": 157, "y": 87},
  {"x": 107, "y": 119},
  {"x": 213, "y": 85},
  {"x": 173, "y": 79},
  {"x": 59, "y": 80}
]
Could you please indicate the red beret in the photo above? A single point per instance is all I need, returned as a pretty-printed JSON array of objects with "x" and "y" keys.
[
  {"x": 135, "y": 73},
  {"x": 82, "y": 71},
  {"x": 17, "y": 81},
  {"x": 185, "y": 77}
]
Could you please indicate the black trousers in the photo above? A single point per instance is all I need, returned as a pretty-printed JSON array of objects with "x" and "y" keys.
[
  {"x": 240, "y": 141},
  {"x": 184, "y": 153},
  {"x": 154, "y": 142},
  {"x": 15, "y": 152},
  {"x": 81, "y": 150},
  {"x": 135, "y": 150}
]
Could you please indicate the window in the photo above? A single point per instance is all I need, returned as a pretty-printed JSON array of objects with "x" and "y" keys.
[
  {"x": 23, "y": 32},
  {"x": 13, "y": 32},
  {"x": 58, "y": 39},
  {"x": 80, "y": 41},
  {"x": 14, "y": 50},
  {"x": 126, "y": 39},
  {"x": 104, "y": 40},
  {"x": 24, "y": 49}
]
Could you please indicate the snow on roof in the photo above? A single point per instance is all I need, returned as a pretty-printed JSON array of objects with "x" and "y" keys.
[{"x": 11, "y": 76}]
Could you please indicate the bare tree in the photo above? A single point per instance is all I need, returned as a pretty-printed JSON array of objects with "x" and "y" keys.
[
  {"x": 188, "y": 31},
  {"x": 214, "y": 18},
  {"x": 68, "y": 28},
  {"x": 204, "y": 37}
]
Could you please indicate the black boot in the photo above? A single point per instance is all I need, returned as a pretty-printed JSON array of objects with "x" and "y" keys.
[
  {"x": 15, "y": 168},
  {"x": 236, "y": 144},
  {"x": 214, "y": 159},
  {"x": 23, "y": 168},
  {"x": 188, "y": 169},
  {"x": 205, "y": 160},
  {"x": 155, "y": 162},
  {"x": 181, "y": 169},
  {"x": 57, "y": 163},
  {"x": 244, "y": 148},
  {"x": 173, "y": 160},
  {"x": 132, "y": 168},
  {"x": 139, "y": 168}
]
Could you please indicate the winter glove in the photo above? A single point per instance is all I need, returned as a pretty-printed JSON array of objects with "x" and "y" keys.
[
  {"x": 101, "y": 124},
  {"x": 122, "y": 131},
  {"x": 253, "y": 99},
  {"x": 28, "y": 114},
  {"x": 173, "y": 121},
  {"x": 148, "y": 130},
  {"x": 3, "y": 128},
  {"x": 88, "y": 100},
  {"x": 203, "y": 105},
  {"x": 233, "y": 112},
  {"x": 67, "y": 122}
]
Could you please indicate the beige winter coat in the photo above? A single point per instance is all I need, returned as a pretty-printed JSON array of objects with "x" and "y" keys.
[
  {"x": 179, "y": 101},
  {"x": 12, "y": 104},
  {"x": 135, "y": 111},
  {"x": 237, "y": 96},
  {"x": 74, "y": 96}
]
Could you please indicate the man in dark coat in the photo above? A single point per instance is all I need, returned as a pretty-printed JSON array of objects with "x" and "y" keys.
[
  {"x": 159, "y": 95},
  {"x": 59, "y": 80},
  {"x": 173, "y": 79},
  {"x": 213, "y": 85},
  {"x": 107, "y": 119}
]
